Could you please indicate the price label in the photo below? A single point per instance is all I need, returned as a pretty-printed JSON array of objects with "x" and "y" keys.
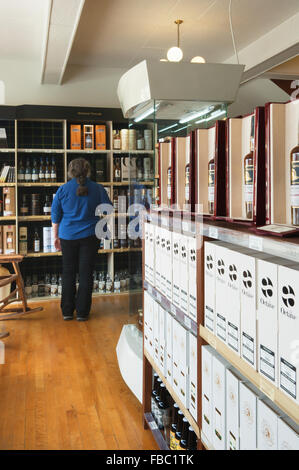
[
  {"x": 213, "y": 232},
  {"x": 153, "y": 425},
  {"x": 173, "y": 309},
  {"x": 159, "y": 297},
  {"x": 187, "y": 322},
  {"x": 255, "y": 243},
  {"x": 267, "y": 388}
]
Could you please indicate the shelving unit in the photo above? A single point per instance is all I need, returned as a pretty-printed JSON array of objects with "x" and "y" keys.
[
  {"x": 33, "y": 138},
  {"x": 204, "y": 230}
]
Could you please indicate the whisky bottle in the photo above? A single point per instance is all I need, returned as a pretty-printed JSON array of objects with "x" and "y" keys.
[
  {"x": 173, "y": 427},
  {"x": 169, "y": 175},
  {"x": 53, "y": 172},
  {"x": 24, "y": 209},
  {"x": 27, "y": 171},
  {"x": 192, "y": 440},
  {"x": 117, "y": 170},
  {"x": 41, "y": 171},
  {"x": 183, "y": 442},
  {"x": 179, "y": 428},
  {"x": 36, "y": 241},
  {"x": 21, "y": 172},
  {"x": 34, "y": 173},
  {"x": 47, "y": 172},
  {"x": 47, "y": 206},
  {"x": 294, "y": 163},
  {"x": 187, "y": 184},
  {"x": 211, "y": 186},
  {"x": 249, "y": 175}
]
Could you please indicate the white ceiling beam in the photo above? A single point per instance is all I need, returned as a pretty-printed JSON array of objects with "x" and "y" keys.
[
  {"x": 270, "y": 50},
  {"x": 61, "y": 24}
]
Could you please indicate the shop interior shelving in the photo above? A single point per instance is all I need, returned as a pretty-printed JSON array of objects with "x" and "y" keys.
[
  {"x": 207, "y": 229},
  {"x": 19, "y": 148}
]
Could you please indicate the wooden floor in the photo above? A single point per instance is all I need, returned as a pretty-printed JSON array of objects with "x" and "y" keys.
[{"x": 60, "y": 386}]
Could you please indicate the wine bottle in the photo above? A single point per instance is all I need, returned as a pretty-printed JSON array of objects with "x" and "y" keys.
[
  {"x": 173, "y": 428},
  {"x": 169, "y": 185},
  {"x": 179, "y": 428},
  {"x": 192, "y": 439},
  {"x": 117, "y": 170},
  {"x": 184, "y": 437},
  {"x": 47, "y": 205},
  {"x": 249, "y": 175},
  {"x": 36, "y": 241},
  {"x": 53, "y": 172},
  {"x": 47, "y": 172},
  {"x": 294, "y": 164},
  {"x": 21, "y": 172},
  {"x": 27, "y": 171},
  {"x": 41, "y": 171},
  {"x": 34, "y": 172},
  {"x": 211, "y": 186}
]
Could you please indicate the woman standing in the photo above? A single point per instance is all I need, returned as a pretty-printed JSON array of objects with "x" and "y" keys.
[{"x": 73, "y": 221}]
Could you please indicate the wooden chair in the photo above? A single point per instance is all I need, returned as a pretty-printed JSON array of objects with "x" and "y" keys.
[{"x": 12, "y": 313}]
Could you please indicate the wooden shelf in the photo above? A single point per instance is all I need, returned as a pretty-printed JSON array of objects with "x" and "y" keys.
[
  {"x": 275, "y": 394},
  {"x": 130, "y": 183},
  {"x": 186, "y": 412},
  {"x": 87, "y": 151},
  {"x": 6, "y": 150},
  {"x": 7, "y": 184},
  {"x": 41, "y": 150},
  {"x": 8, "y": 217},
  {"x": 40, "y": 184},
  {"x": 41, "y": 254},
  {"x": 158, "y": 436},
  {"x": 119, "y": 250},
  {"x": 134, "y": 152},
  {"x": 33, "y": 218}
]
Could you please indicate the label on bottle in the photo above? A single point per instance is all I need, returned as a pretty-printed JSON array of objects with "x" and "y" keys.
[
  {"x": 24, "y": 210},
  {"x": 54, "y": 289},
  {"x": 47, "y": 175},
  {"x": 27, "y": 176},
  {"x": 116, "y": 144},
  {"x": 36, "y": 245},
  {"x": 41, "y": 175},
  {"x": 116, "y": 285},
  {"x": 248, "y": 174},
  {"x": 211, "y": 193},
  {"x": 294, "y": 195},
  {"x": 21, "y": 176},
  {"x": 294, "y": 190},
  {"x": 117, "y": 173},
  {"x": 248, "y": 192},
  {"x": 47, "y": 210},
  {"x": 34, "y": 177},
  {"x": 53, "y": 175}
]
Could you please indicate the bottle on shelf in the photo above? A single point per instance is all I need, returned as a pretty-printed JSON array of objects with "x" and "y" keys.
[
  {"x": 60, "y": 284},
  {"x": 173, "y": 428},
  {"x": 157, "y": 398},
  {"x": 192, "y": 439},
  {"x": 95, "y": 287},
  {"x": 249, "y": 175},
  {"x": 21, "y": 172},
  {"x": 169, "y": 185},
  {"x": 139, "y": 166},
  {"x": 28, "y": 287},
  {"x": 115, "y": 200},
  {"x": 153, "y": 395},
  {"x": 41, "y": 171},
  {"x": 147, "y": 165},
  {"x": 123, "y": 235},
  {"x": 54, "y": 286},
  {"x": 116, "y": 284},
  {"x": 187, "y": 184},
  {"x": 116, "y": 140},
  {"x": 123, "y": 283},
  {"x": 36, "y": 241},
  {"x": 34, "y": 285},
  {"x": 24, "y": 207},
  {"x": 47, "y": 205},
  {"x": 41, "y": 287},
  {"x": 27, "y": 171},
  {"x": 53, "y": 171},
  {"x": 117, "y": 170},
  {"x": 294, "y": 190},
  {"x": 184, "y": 437},
  {"x": 47, "y": 172},
  {"x": 47, "y": 284},
  {"x": 211, "y": 186},
  {"x": 34, "y": 172},
  {"x": 179, "y": 428},
  {"x": 102, "y": 283},
  {"x": 164, "y": 413},
  {"x": 108, "y": 284}
]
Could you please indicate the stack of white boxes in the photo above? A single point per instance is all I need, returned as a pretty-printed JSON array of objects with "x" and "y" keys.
[
  {"x": 235, "y": 415},
  {"x": 251, "y": 305}
]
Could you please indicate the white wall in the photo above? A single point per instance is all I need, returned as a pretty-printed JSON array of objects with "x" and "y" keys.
[{"x": 83, "y": 86}]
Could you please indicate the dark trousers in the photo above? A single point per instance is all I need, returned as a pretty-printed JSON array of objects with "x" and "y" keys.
[{"x": 78, "y": 256}]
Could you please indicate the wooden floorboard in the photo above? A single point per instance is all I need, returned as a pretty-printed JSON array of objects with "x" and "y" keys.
[{"x": 60, "y": 386}]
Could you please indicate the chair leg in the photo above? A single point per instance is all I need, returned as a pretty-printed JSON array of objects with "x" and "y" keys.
[{"x": 20, "y": 284}]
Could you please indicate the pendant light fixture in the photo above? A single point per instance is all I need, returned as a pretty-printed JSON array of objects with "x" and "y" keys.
[{"x": 175, "y": 54}]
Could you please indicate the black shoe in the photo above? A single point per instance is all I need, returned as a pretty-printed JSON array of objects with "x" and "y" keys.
[
  {"x": 67, "y": 317},
  {"x": 82, "y": 318}
]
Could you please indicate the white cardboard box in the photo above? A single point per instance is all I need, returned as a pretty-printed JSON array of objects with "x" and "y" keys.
[
  {"x": 169, "y": 339},
  {"x": 148, "y": 324},
  {"x": 176, "y": 263},
  {"x": 146, "y": 251},
  {"x": 163, "y": 233},
  {"x": 184, "y": 281},
  {"x": 248, "y": 416},
  {"x": 162, "y": 340},
  {"x": 158, "y": 264},
  {"x": 219, "y": 402},
  {"x": 207, "y": 353},
  {"x": 183, "y": 361},
  {"x": 192, "y": 278},
  {"x": 233, "y": 381},
  {"x": 168, "y": 264},
  {"x": 267, "y": 425},
  {"x": 193, "y": 390},
  {"x": 221, "y": 271},
  {"x": 288, "y": 324},
  {"x": 233, "y": 312},
  {"x": 175, "y": 357},
  {"x": 156, "y": 333},
  {"x": 288, "y": 435},
  {"x": 210, "y": 285},
  {"x": 151, "y": 258}
]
